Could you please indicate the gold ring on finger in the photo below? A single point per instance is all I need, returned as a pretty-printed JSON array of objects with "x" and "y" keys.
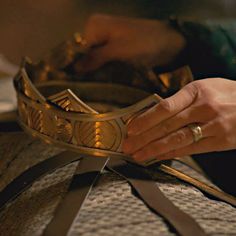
[{"x": 196, "y": 131}]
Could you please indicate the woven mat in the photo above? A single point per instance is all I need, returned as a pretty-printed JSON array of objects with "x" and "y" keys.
[{"x": 111, "y": 208}]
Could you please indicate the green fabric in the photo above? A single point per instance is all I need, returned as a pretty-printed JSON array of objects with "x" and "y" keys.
[{"x": 211, "y": 50}]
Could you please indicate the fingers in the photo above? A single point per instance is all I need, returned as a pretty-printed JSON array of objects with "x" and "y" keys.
[
  {"x": 163, "y": 111},
  {"x": 203, "y": 146},
  {"x": 182, "y": 119},
  {"x": 174, "y": 141}
]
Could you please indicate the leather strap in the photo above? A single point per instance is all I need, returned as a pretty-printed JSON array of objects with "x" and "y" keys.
[
  {"x": 27, "y": 178},
  {"x": 145, "y": 185},
  {"x": 150, "y": 193},
  {"x": 83, "y": 180},
  {"x": 210, "y": 190}
]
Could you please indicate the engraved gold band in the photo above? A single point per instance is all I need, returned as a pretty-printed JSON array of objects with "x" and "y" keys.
[
  {"x": 85, "y": 114},
  {"x": 64, "y": 120}
]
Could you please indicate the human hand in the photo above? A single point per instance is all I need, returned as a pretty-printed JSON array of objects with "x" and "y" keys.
[
  {"x": 162, "y": 132},
  {"x": 138, "y": 41}
]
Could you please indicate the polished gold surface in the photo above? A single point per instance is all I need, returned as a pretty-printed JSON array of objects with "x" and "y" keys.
[
  {"x": 91, "y": 116},
  {"x": 67, "y": 121},
  {"x": 61, "y": 108}
]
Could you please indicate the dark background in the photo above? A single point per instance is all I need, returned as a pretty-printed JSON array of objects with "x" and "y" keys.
[
  {"x": 29, "y": 27},
  {"x": 161, "y": 8}
]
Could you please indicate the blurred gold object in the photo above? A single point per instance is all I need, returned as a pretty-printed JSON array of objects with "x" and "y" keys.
[{"x": 63, "y": 109}]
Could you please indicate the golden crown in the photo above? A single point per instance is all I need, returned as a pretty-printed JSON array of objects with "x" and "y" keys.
[{"x": 88, "y": 114}]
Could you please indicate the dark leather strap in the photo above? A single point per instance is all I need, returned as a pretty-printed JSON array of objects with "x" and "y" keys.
[
  {"x": 87, "y": 173},
  {"x": 210, "y": 190},
  {"x": 27, "y": 178},
  {"x": 83, "y": 180},
  {"x": 149, "y": 192}
]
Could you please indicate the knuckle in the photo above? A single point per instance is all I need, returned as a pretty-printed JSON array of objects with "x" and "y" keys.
[
  {"x": 193, "y": 88},
  {"x": 166, "y": 105},
  {"x": 165, "y": 128},
  {"x": 212, "y": 107},
  {"x": 223, "y": 128},
  {"x": 183, "y": 117},
  {"x": 197, "y": 85},
  {"x": 180, "y": 136},
  {"x": 162, "y": 146}
]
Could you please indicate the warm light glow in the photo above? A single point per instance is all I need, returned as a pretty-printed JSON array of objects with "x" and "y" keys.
[
  {"x": 47, "y": 106},
  {"x": 97, "y": 125},
  {"x": 98, "y": 144},
  {"x": 97, "y": 131}
]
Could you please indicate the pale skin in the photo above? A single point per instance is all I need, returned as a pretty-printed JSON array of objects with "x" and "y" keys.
[{"x": 162, "y": 132}]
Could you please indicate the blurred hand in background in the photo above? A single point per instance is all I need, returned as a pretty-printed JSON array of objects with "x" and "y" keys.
[{"x": 139, "y": 41}]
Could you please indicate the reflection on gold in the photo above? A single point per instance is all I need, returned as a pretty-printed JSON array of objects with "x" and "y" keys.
[
  {"x": 97, "y": 131},
  {"x": 165, "y": 78},
  {"x": 79, "y": 40},
  {"x": 98, "y": 143}
]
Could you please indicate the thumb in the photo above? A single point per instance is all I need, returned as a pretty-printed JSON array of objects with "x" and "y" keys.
[{"x": 165, "y": 109}]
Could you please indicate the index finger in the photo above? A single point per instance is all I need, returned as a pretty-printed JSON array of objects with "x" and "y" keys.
[{"x": 165, "y": 109}]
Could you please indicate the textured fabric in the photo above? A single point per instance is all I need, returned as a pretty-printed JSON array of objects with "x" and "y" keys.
[{"x": 110, "y": 209}]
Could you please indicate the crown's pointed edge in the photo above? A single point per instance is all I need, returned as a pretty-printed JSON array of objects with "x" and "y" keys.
[
  {"x": 28, "y": 88},
  {"x": 80, "y": 102},
  {"x": 68, "y": 98}
]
